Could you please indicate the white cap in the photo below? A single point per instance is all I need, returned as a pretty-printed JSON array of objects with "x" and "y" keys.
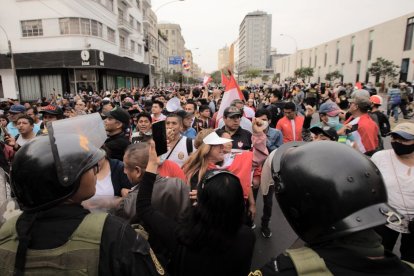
[
  {"x": 106, "y": 99},
  {"x": 214, "y": 139}
]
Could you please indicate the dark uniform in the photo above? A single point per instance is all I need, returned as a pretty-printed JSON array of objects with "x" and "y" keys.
[
  {"x": 55, "y": 235},
  {"x": 332, "y": 196}
]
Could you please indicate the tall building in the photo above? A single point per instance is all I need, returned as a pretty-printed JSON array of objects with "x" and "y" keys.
[
  {"x": 70, "y": 46},
  {"x": 163, "y": 56},
  {"x": 176, "y": 43},
  {"x": 151, "y": 38},
  {"x": 353, "y": 54},
  {"x": 254, "y": 41},
  {"x": 189, "y": 62},
  {"x": 223, "y": 57}
]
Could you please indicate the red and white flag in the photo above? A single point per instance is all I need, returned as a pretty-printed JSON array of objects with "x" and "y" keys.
[
  {"x": 206, "y": 80},
  {"x": 232, "y": 92}
]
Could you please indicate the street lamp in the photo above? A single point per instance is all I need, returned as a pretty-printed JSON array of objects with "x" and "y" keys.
[
  {"x": 294, "y": 40},
  {"x": 13, "y": 67},
  {"x": 165, "y": 4},
  {"x": 296, "y": 48}
]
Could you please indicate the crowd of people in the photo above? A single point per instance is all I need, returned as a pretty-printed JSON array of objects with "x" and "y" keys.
[{"x": 187, "y": 166}]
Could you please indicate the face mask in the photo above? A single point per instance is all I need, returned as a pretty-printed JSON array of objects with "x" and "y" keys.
[
  {"x": 401, "y": 149},
  {"x": 333, "y": 121}
]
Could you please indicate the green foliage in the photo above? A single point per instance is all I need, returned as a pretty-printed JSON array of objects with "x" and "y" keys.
[
  {"x": 333, "y": 75},
  {"x": 265, "y": 78},
  {"x": 304, "y": 72},
  {"x": 383, "y": 68},
  {"x": 216, "y": 76},
  {"x": 252, "y": 74}
]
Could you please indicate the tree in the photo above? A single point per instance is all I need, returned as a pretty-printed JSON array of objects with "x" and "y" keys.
[
  {"x": 265, "y": 78},
  {"x": 333, "y": 75},
  {"x": 304, "y": 72},
  {"x": 216, "y": 76},
  {"x": 384, "y": 69},
  {"x": 252, "y": 74}
]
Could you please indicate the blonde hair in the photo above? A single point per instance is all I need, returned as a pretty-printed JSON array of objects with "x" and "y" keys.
[
  {"x": 197, "y": 163},
  {"x": 198, "y": 141}
]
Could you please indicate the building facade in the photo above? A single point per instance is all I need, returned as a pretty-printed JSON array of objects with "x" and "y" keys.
[
  {"x": 255, "y": 34},
  {"x": 353, "y": 54},
  {"x": 223, "y": 57},
  {"x": 151, "y": 39},
  {"x": 70, "y": 46},
  {"x": 176, "y": 44}
]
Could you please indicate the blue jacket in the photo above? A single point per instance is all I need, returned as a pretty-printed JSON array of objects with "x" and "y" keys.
[
  {"x": 274, "y": 139},
  {"x": 118, "y": 177}
]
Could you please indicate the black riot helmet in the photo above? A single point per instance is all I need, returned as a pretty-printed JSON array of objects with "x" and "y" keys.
[
  {"x": 327, "y": 190},
  {"x": 47, "y": 170}
]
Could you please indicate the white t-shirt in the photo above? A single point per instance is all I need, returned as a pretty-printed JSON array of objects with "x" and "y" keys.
[
  {"x": 397, "y": 176},
  {"x": 179, "y": 155},
  {"x": 104, "y": 186},
  {"x": 21, "y": 141}
]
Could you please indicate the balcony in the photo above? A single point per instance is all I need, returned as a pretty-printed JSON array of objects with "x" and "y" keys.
[
  {"x": 123, "y": 24},
  {"x": 124, "y": 52}
]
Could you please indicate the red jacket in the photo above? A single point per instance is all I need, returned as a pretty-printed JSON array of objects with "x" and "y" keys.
[{"x": 285, "y": 126}]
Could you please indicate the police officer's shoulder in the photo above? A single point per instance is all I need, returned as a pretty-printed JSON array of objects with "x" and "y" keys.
[{"x": 281, "y": 265}]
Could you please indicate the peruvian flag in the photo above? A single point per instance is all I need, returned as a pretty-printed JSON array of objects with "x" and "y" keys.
[
  {"x": 232, "y": 92},
  {"x": 206, "y": 80}
]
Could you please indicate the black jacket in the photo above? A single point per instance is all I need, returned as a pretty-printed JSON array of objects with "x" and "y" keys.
[
  {"x": 122, "y": 252},
  {"x": 116, "y": 146},
  {"x": 118, "y": 177}
]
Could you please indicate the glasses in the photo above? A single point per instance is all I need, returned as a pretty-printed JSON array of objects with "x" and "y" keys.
[{"x": 96, "y": 169}]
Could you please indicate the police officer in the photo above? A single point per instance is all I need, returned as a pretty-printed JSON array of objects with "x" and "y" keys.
[
  {"x": 55, "y": 235},
  {"x": 332, "y": 196}
]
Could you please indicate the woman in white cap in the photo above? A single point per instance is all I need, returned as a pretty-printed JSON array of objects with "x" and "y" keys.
[{"x": 397, "y": 168}]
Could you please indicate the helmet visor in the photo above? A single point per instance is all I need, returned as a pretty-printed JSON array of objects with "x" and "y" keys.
[{"x": 76, "y": 145}]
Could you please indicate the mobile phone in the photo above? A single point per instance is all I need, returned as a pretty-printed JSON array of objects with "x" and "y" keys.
[
  {"x": 159, "y": 135},
  {"x": 353, "y": 128}
]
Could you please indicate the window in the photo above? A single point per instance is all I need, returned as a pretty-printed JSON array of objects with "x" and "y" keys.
[
  {"x": 64, "y": 26},
  {"x": 351, "y": 57},
  {"x": 337, "y": 53},
  {"x": 138, "y": 4},
  {"x": 32, "y": 28},
  {"x": 140, "y": 49},
  {"x": 110, "y": 5},
  {"x": 408, "y": 42},
  {"x": 173, "y": 32},
  {"x": 111, "y": 35},
  {"x": 358, "y": 70},
  {"x": 74, "y": 26},
  {"x": 326, "y": 56},
  {"x": 139, "y": 27},
  {"x": 132, "y": 46},
  {"x": 131, "y": 21},
  {"x": 371, "y": 42},
  {"x": 85, "y": 26},
  {"x": 122, "y": 42},
  {"x": 96, "y": 28}
]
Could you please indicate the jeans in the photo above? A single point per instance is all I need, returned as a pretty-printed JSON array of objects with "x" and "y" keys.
[
  {"x": 389, "y": 238},
  {"x": 267, "y": 204}
]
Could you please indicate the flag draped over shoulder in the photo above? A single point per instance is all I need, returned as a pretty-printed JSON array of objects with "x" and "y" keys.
[
  {"x": 206, "y": 80},
  {"x": 232, "y": 92}
]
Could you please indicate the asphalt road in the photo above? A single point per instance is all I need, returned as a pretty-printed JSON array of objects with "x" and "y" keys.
[{"x": 283, "y": 235}]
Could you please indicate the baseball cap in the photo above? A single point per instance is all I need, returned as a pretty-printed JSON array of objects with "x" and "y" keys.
[
  {"x": 405, "y": 130},
  {"x": 119, "y": 114},
  {"x": 330, "y": 108},
  {"x": 17, "y": 108},
  {"x": 52, "y": 109},
  {"x": 326, "y": 131},
  {"x": 232, "y": 111},
  {"x": 214, "y": 139}
]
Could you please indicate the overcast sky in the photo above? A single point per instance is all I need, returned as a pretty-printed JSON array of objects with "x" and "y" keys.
[{"x": 211, "y": 24}]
